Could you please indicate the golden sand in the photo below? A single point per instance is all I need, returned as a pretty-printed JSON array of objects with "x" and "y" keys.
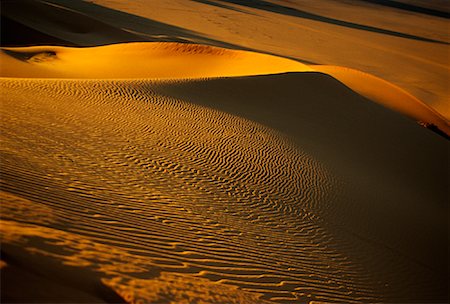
[
  {"x": 213, "y": 171},
  {"x": 138, "y": 183},
  {"x": 176, "y": 60}
]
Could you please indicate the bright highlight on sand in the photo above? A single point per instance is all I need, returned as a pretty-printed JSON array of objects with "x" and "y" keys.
[
  {"x": 154, "y": 167},
  {"x": 187, "y": 61}
]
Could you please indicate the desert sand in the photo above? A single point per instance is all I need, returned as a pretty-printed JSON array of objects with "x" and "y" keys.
[
  {"x": 187, "y": 154},
  {"x": 181, "y": 60}
]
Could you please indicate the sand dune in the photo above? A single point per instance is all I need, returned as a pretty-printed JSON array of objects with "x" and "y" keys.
[
  {"x": 406, "y": 45},
  {"x": 173, "y": 183},
  {"x": 140, "y": 60},
  {"x": 388, "y": 95},
  {"x": 214, "y": 171},
  {"x": 391, "y": 43},
  {"x": 176, "y": 60}
]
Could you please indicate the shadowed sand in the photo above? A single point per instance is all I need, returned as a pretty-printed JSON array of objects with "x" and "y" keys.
[
  {"x": 188, "y": 173},
  {"x": 393, "y": 43},
  {"x": 176, "y": 60},
  {"x": 173, "y": 182}
]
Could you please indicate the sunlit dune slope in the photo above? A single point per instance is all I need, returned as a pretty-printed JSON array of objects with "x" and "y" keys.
[
  {"x": 405, "y": 45},
  {"x": 140, "y": 60},
  {"x": 387, "y": 94},
  {"x": 175, "y": 60},
  {"x": 156, "y": 188}
]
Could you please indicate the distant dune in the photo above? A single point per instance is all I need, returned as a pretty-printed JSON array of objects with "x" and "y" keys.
[{"x": 201, "y": 171}]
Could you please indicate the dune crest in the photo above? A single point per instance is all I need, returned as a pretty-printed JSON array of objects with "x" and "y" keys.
[
  {"x": 387, "y": 94},
  {"x": 170, "y": 60},
  {"x": 141, "y": 60}
]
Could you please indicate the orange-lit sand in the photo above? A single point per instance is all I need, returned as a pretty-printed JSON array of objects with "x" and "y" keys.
[
  {"x": 140, "y": 60},
  {"x": 183, "y": 173},
  {"x": 175, "y": 60},
  {"x": 240, "y": 181},
  {"x": 406, "y": 48},
  {"x": 388, "y": 95}
]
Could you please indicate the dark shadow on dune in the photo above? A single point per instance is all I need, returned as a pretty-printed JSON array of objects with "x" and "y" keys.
[
  {"x": 24, "y": 281},
  {"x": 28, "y": 56},
  {"x": 222, "y": 5},
  {"x": 148, "y": 29},
  {"x": 411, "y": 8},
  {"x": 435, "y": 129},
  {"x": 289, "y": 11},
  {"x": 13, "y": 33},
  {"x": 83, "y": 24},
  {"x": 127, "y": 27}
]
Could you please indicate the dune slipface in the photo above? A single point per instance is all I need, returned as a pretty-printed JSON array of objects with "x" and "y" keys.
[
  {"x": 182, "y": 191},
  {"x": 180, "y": 60}
]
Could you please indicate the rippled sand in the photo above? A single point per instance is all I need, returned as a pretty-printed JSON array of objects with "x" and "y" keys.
[
  {"x": 178, "y": 160},
  {"x": 163, "y": 191},
  {"x": 169, "y": 60},
  {"x": 407, "y": 45}
]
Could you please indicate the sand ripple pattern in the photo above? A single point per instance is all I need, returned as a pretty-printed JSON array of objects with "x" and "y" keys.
[{"x": 189, "y": 190}]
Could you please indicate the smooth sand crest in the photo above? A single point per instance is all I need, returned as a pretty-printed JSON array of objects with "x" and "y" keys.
[
  {"x": 140, "y": 60},
  {"x": 176, "y": 60},
  {"x": 153, "y": 187},
  {"x": 368, "y": 36},
  {"x": 388, "y": 95}
]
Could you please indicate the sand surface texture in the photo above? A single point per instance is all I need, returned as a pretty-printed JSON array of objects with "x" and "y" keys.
[
  {"x": 136, "y": 179},
  {"x": 406, "y": 45},
  {"x": 182, "y": 60},
  {"x": 160, "y": 172}
]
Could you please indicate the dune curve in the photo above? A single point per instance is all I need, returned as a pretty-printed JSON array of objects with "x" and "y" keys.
[
  {"x": 388, "y": 95},
  {"x": 223, "y": 151},
  {"x": 140, "y": 60},
  {"x": 176, "y": 60}
]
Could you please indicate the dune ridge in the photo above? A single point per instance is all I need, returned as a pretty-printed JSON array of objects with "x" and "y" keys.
[
  {"x": 388, "y": 95},
  {"x": 176, "y": 60},
  {"x": 395, "y": 44},
  {"x": 192, "y": 192},
  {"x": 140, "y": 60}
]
